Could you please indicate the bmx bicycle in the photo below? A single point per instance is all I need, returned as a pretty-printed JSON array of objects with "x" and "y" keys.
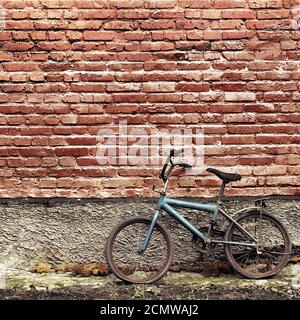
[{"x": 140, "y": 249}]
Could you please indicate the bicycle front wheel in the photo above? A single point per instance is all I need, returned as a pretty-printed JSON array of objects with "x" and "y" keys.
[
  {"x": 271, "y": 252},
  {"x": 127, "y": 263}
]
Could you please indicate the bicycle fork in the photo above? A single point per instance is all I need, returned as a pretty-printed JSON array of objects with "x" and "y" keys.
[{"x": 144, "y": 245}]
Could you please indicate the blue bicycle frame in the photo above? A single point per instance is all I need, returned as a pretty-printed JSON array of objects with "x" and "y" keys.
[{"x": 166, "y": 204}]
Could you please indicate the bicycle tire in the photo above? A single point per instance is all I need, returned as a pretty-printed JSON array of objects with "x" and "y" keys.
[
  {"x": 284, "y": 256},
  {"x": 111, "y": 260}
]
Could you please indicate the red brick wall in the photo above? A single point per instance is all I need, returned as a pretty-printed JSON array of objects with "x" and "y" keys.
[{"x": 70, "y": 67}]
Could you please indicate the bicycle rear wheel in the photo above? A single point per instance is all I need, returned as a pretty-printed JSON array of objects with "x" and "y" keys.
[
  {"x": 127, "y": 263},
  {"x": 272, "y": 250}
]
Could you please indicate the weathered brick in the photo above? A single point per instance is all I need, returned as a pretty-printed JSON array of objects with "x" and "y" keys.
[
  {"x": 238, "y": 55},
  {"x": 273, "y": 14},
  {"x": 211, "y": 14},
  {"x": 160, "y": 4},
  {"x": 230, "y": 4},
  {"x": 196, "y": 87},
  {"x": 159, "y": 87},
  {"x": 99, "y": 35},
  {"x": 265, "y": 4},
  {"x": 126, "y": 3},
  {"x": 238, "y": 14},
  {"x": 17, "y": 46},
  {"x": 240, "y": 96}
]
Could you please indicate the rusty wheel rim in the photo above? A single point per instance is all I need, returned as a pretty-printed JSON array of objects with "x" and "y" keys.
[
  {"x": 271, "y": 252},
  {"x": 130, "y": 265}
]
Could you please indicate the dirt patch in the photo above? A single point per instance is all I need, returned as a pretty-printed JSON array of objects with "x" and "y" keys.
[
  {"x": 82, "y": 269},
  {"x": 176, "y": 285},
  {"x": 164, "y": 292}
]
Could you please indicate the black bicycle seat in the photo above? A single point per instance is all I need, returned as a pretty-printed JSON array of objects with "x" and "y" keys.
[{"x": 225, "y": 176}]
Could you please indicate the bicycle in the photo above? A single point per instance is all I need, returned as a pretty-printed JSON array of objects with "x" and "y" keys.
[{"x": 257, "y": 245}]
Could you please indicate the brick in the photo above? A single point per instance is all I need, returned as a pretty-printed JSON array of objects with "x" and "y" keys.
[
  {"x": 54, "y": 46},
  {"x": 265, "y": 4},
  {"x": 6, "y": 56},
  {"x": 238, "y": 34},
  {"x": 56, "y": 4},
  {"x": 190, "y": 14},
  {"x": 157, "y": 46},
  {"x": 211, "y": 14},
  {"x": 156, "y": 24},
  {"x": 47, "y": 183},
  {"x": 195, "y": 45},
  {"x": 19, "y": 25},
  {"x": 288, "y": 45},
  {"x": 226, "y": 24},
  {"x": 169, "y": 35},
  {"x": 67, "y": 162},
  {"x": 120, "y": 4},
  {"x": 99, "y": 35},
  {"x": 273, "y": 14},
  {"x": 239, "y": 56},
  {"x": 37, "y": 77},
  {"x": 239, "y": 14},
  {"x": 192, "y": 24},
  {"x": 123, "y": 87},
  {"x": 160, "y": 4},
  {"x": 20, "y": 35},
  {"x": 167, "y": 14},
  {"x": 159, "y": 87},
  {"x": 197, "y": 4},
  {"x": 168, "y": 66},
  {"x": 67, "y": 151},
  {"x": 87, "y": 88},
  {"x": 230, "y": 4},
  {"x": 99, "y": 14},
  {"x": 5, "y": 35},
  {"x": 17, "y": 46},
  {"x": 38, "y": 35},
  {"x": 193, "y": 87},
  {"x": 17, "y": 77},
  {"x": 75, "y": 25},
  {"x": 212, "y": 35},
  {"x": 235, "y": 86},
  {"x": 262, "y": 66},
  {"x": 240, "y": 96}
]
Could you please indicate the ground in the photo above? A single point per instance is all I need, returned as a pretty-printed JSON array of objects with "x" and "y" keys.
[{"x": 176, "y": 285}]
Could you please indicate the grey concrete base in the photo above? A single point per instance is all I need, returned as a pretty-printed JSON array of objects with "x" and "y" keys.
[
  {"x": 18, "y": 284},
  {"x": 75, "y": 231}
]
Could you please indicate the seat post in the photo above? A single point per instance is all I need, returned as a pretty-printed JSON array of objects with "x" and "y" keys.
[{"x": 221, "y": 192}]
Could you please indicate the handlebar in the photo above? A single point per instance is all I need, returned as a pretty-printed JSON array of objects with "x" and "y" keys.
[{"x": 173, "y": 154}]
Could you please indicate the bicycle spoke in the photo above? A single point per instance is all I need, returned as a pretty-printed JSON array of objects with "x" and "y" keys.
[
  {"x": 134, "y": 266},
  {"x": 274, "y": 253},
  {"x": 270, "y": 254},
  {"x": 244, "y": 257}
]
